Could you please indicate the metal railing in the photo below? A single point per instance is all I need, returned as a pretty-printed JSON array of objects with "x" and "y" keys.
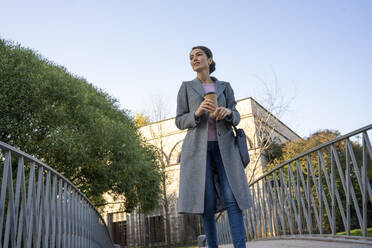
[
  {"x": 315, "y": 195},
  {"x": 45, "y": 209}
]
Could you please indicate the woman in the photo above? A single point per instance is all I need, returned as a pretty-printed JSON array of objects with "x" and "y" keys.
[{"x": 212, "y": 176}]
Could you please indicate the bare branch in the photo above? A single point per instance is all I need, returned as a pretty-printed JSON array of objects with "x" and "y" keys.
[{"x": 265, "y": 121}]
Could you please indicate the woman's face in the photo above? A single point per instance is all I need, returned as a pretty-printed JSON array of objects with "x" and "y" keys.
[{"x": 199, "y": 60}]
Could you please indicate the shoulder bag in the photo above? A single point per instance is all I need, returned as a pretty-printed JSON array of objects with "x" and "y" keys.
[{"x": 241, "y": 142}]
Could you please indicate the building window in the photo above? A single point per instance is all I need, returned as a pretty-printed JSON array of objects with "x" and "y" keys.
[
  {"x": 155, "y": 225},
  {"x": 120, "y": 233},
  {"x": 192, "y": 227},
  {"x": 175, "y": 153}
]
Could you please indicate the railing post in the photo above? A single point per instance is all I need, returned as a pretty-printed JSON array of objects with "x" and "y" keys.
[
  {"x": 308, "y": 198},
  {"x": 347, "y": 175},
  {"x": 333, "y": 187},
  {"x": 364, "y": 185},
  {"x": 320, "y": 196},
  {"x": 298, "y": 196}
]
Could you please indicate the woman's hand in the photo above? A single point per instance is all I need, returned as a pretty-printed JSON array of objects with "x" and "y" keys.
[
  {"x": 205, "y": 106},
  {"x": 221, "y": 113}
]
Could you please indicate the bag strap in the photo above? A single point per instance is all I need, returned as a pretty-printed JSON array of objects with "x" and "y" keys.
[{"x": 235, "y": 128}]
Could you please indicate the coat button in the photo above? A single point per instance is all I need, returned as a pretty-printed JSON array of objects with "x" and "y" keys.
[{"x": 219, "y": 133}]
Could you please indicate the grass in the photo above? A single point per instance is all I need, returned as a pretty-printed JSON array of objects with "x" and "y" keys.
[{"x": 357, "y": 232}]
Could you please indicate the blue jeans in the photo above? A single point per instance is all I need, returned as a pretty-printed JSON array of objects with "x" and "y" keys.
[{"x": 214, "y": 161}]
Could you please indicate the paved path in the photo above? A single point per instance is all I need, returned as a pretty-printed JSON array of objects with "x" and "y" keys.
[{"x": 293, "y": 243}]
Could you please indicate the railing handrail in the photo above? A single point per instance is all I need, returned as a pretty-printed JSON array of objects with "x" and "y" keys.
[
  {"x": 312, "y": 197},
  {"x": 31, "y": 158},
  {"x": 360, "y": 130}
]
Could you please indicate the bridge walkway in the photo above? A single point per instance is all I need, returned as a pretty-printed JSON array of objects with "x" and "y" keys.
[{"x": 300, "y": 243}]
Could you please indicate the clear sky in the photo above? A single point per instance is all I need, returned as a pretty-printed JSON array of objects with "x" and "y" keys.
[{"x": 319, "y": 50}]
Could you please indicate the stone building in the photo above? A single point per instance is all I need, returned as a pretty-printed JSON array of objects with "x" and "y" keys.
[{"x": 131, "y": 230}]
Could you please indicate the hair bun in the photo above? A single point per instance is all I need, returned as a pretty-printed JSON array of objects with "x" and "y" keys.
[{"x": 212, "y": 67}]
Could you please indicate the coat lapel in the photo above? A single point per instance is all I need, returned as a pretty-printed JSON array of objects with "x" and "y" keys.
[
  {"x": 197, "y": 86},
  {"x": 220, "y": 87}
]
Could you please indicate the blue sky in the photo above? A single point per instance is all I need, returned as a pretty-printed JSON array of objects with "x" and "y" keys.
[{"x": 320, "y": 51}]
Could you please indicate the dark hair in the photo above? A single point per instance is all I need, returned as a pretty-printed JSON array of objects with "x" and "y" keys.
[{"x": 208, "y": 52}]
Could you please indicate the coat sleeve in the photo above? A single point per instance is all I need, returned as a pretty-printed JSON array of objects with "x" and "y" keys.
[
  {"x": 184, "y": 118},
  {"x": 234, "y": 118}
]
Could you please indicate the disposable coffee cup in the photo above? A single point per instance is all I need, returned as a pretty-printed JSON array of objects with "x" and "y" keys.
[{"x": 211, "y": 96}]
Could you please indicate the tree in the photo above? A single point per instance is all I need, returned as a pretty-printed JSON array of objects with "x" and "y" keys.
[
  {"x": 160, "y": 113},
  {"x": 76, "y": 128},
  {"x": 141, "y": 119},
  {"x": 294, "y": 148}
]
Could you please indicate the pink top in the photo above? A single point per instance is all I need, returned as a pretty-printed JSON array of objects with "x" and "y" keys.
[{"x": 212, "y": 131}]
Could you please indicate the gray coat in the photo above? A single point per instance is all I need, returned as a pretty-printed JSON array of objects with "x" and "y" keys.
[{"x": 194, "y": 149}]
